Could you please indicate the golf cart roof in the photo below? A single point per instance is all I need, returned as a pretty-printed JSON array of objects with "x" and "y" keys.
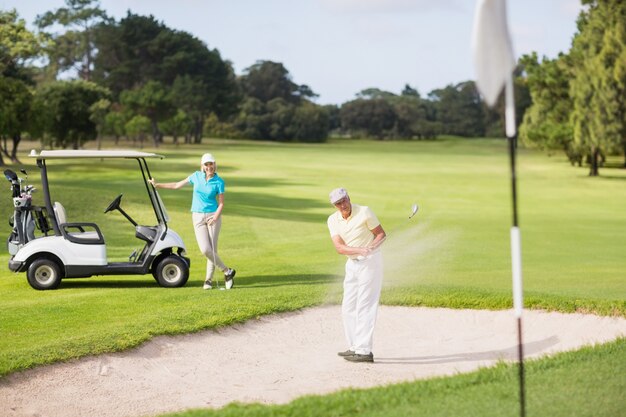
[{"x": 62, "y": 154}]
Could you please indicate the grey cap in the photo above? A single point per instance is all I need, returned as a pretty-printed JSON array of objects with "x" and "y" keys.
[{"x": 337, "y": 194}]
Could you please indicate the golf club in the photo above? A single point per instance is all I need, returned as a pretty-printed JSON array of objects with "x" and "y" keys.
[
  {"x": 414, "y": 209},
  {"x": 217, "y": 282}
]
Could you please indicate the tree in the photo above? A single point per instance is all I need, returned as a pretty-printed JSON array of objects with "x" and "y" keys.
[
  {"x": 18, "y": 47},
  {"x": 304, "y": 91},
  {"x": 311, "y": 123},
  {"x": 546, "y": 124},
  {"x": 197, "y": 99},
  {"x": 253, "y": 121},
  {"x": 410, "y": 91},
  {"x": 374, "y": 93},
  {"x": 114, "y": 123},
  {"x": 75, "y": 48},
  {"x": 276, "y": 108},
  {"x": 334, "y": 120},
  {"x": 137, "y": 128},
  {"x": 178, "y": 125},
  {"x": 15, "y": 107},
  {"x": 63, "y": 110},
  {"x": 415, "y": 118},
  {"x": 611, "y": 85},
  {"x": 140, "y": 49},
  {"x": 459, "y": 109},
  {"x": 99, "y": 111},
  {"x": 280, "y": 114},
  {"x": 597, "y": 87},
  {"x": 153, "y": 101},
  {"x": 578, "y": 99},
  {"x": 619, "y": 76},
  {"x": 267, "y": 80},
  {"x": 215, "y": 128},
  {"x": 374, "y": 117},
  {"x": 126, "y": 56}
]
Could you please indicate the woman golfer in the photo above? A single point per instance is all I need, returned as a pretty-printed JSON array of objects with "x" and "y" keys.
[{"x": 206, "y": 207}]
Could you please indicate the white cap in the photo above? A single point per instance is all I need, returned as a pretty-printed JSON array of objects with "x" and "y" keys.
[
  {"x": 337, "y": 194},
  {"x": 207, "y": 157}
]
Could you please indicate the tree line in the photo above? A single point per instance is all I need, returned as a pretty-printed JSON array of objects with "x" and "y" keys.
[
  {"x": 138, "y": 79},
  {"x": 83, "y": 76}
]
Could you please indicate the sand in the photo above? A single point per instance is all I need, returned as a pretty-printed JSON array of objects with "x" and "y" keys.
[{"x": 278, "y": 358}]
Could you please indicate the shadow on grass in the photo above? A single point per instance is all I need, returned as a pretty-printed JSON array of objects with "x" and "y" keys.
[
  {"x": 613, "y": 177},
  {"x": 614, "y": 165},
  {"x": 509, "y": 353},
  {"x": 263, "y": 281},
  {"x": 268, "y": 206},
  {"x": 249, "y": 282},
  {"x": 74, "y": 283}
]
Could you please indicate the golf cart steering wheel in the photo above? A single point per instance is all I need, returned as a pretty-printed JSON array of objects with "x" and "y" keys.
[{"x": 115, "y": 204}]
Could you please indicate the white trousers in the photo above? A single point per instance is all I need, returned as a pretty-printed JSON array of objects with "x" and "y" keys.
[
  {"x": 361, "y": 293},
  {"x": 207, "y": 241}
]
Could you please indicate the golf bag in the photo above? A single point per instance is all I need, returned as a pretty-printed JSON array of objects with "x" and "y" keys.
[{"x": 25, "y": 216}]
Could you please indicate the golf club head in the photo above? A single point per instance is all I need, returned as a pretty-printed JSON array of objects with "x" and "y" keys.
[{"x": 414, "y": 209}]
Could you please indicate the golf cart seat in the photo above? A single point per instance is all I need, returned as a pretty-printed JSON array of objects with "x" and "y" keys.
[{"x": 93, "y": 237}]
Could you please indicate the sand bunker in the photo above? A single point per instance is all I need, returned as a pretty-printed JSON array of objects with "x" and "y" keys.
[{"x": 280, "y": 357}]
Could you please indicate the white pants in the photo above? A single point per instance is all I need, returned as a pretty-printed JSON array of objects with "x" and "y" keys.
[
  {"x": 207, "y": 241},
  {"x": 361, "y": 293}
]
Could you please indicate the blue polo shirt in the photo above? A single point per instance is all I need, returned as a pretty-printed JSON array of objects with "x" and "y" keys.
[{"x": 205, "y": 192}]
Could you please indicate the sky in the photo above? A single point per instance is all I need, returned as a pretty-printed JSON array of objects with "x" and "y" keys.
[{"x": 340, "y": 47}]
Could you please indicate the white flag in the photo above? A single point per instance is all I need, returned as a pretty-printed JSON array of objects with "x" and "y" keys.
[{"x": 491, "y": 46}]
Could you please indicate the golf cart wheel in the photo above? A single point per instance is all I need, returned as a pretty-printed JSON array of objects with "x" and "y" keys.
[
  {"x": 172, "y": 271},
  {"x": 44, "y": 274}
]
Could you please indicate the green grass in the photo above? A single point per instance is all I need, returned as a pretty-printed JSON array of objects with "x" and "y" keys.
[
  {"x": 453, "y": 253},
  {"x": 486, "y": 392}
]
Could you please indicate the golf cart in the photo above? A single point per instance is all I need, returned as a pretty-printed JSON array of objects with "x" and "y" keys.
[{"x": 70, "y": 249}]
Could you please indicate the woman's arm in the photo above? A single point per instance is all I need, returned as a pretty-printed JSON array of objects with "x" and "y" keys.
[
  {"x": 220, "y": 206},
  {"x": 169, "y": 185}
]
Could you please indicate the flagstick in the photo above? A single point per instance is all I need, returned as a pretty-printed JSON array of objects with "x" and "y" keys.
[{"x": 516, "y": 255}]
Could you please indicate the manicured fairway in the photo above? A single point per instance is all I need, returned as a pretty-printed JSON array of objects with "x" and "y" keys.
[{"x": 454, "y": 252}]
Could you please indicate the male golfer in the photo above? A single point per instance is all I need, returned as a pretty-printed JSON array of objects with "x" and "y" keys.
[{"x": 357, "y": 233}]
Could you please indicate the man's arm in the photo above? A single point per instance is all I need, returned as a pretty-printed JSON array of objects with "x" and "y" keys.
[
  {"x": 379, "y": 237},
  {"x": 344, "y": 249}
]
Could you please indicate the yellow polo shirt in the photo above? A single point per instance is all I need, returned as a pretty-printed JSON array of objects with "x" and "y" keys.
[{"x": 356, "y": 229}]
